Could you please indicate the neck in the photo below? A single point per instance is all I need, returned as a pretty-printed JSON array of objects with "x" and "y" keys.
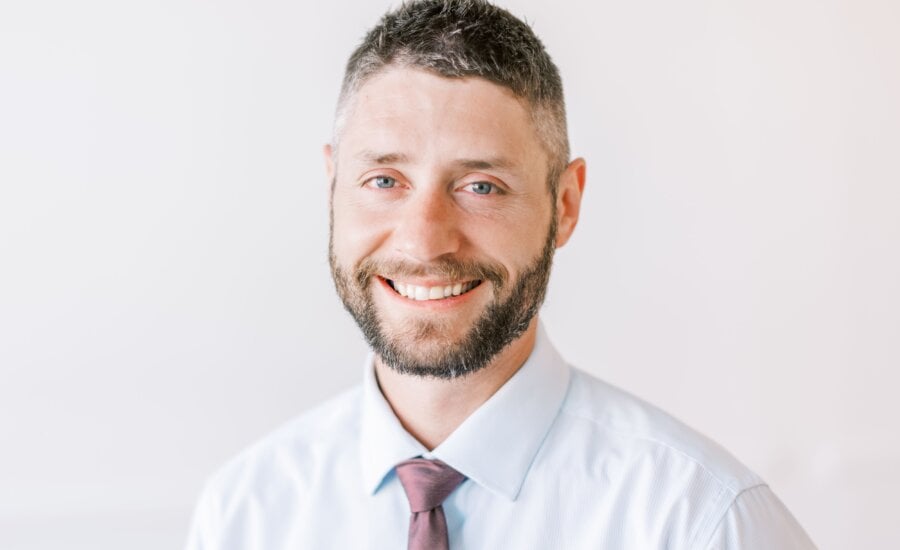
[{"x": 431, "y": 409}]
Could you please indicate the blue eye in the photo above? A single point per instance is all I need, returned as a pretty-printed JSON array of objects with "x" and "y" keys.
[
  {"x": 482, "y": 187},
  {"x": 384, "y": 182}
]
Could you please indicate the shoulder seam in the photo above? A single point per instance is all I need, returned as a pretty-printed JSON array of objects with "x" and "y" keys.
[
  {"x": 731, "y": 503},
  {"x": 734, "y": 490}
]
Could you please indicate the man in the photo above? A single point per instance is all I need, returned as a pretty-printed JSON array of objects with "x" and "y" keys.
[{"x": 451, "y": 189}]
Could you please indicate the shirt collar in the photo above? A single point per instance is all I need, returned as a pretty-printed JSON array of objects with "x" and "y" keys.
[
  {"x": 495, "y": 446},
  {"x": 385, "y": 443}
]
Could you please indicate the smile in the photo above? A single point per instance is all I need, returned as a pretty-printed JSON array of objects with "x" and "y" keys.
[{"x": 439, "y": 292}]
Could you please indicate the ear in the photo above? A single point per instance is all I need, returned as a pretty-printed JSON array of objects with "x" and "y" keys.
[
  {"x": 568, "y": 199},
  {"x": 328, "y": 153}
]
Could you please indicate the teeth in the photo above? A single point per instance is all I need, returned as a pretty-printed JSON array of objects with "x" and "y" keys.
[
  {"x": 416, "y": 292},
  {"x": 421, "y": 293}
]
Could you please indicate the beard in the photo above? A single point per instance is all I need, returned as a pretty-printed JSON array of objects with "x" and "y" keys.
[{"x": 504, "y": 319}]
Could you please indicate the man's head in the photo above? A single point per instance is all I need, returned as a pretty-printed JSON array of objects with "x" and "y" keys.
[
  {"x": 465, "y": 38},
  {"x": 451, "y": 186}
]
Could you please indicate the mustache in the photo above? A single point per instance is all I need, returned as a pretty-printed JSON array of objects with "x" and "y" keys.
[{"x": 450, "y": 269}]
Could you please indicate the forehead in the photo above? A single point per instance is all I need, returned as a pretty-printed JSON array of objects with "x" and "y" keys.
[{"x": 418, "y": 113}]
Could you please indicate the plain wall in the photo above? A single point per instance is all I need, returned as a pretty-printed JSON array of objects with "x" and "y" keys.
[{"x": 164, "y": 292}]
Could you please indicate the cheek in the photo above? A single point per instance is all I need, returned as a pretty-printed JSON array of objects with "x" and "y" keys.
[
  {"x": 514, "y": 249},
  {"x": 356, "y": 231},
  {"x": 517, "y": 232},
  {"x": 514, "y": 243}
]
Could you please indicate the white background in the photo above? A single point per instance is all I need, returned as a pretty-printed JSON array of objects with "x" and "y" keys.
[{"x": 164, "y": 291}]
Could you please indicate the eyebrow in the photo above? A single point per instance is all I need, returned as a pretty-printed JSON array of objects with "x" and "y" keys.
[
  {"x": 377, "y": 157},
  {"x": 495, "y": 163}
]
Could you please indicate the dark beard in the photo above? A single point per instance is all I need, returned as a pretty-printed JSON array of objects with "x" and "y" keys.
[{"x": 502, "y": 322}]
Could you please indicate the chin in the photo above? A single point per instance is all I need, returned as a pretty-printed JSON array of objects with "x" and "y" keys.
[{"x": 425, "y": 337}]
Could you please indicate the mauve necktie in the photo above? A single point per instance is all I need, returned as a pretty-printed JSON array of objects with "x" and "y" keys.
[{"x": 427, "y": 483}]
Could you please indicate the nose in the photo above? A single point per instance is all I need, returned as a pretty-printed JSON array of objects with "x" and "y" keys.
[{"x": 427, "y": 227}]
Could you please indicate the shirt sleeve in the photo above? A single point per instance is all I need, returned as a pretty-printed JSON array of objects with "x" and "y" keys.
[
  {"x": 758, "y": 520},
  {"x": 202, "y": 529}
]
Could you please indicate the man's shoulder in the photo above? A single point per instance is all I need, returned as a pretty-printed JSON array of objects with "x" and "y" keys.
[
  {"x": 298, "y": 449},
  {"x": 640, "y": 430}
]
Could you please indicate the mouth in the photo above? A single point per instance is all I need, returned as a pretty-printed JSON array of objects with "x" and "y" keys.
[{"x": 423, "y": 293}]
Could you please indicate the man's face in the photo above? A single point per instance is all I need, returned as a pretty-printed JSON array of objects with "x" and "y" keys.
[{"x": 443, "y": 227}]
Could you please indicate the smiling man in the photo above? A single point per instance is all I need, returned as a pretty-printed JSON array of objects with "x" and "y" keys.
[{"x": 451, "y": 189}]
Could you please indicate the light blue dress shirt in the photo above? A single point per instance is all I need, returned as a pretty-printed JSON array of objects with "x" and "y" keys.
[{"x": 555, "y": 459}]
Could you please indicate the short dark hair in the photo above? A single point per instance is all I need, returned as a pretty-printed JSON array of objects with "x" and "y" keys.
[{"x": 465, "y": 38}]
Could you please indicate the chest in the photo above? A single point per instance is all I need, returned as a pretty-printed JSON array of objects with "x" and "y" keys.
[{"x": 552, "y": 511}]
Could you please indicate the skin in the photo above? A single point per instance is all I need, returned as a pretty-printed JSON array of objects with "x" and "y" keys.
[{"x": 438, "y": 141}]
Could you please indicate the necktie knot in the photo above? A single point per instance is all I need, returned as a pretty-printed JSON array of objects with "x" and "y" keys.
[{"x": 427, "y": 482}]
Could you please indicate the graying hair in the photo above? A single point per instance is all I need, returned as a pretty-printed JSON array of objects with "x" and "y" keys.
[{"x": 464, "y": 38}]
